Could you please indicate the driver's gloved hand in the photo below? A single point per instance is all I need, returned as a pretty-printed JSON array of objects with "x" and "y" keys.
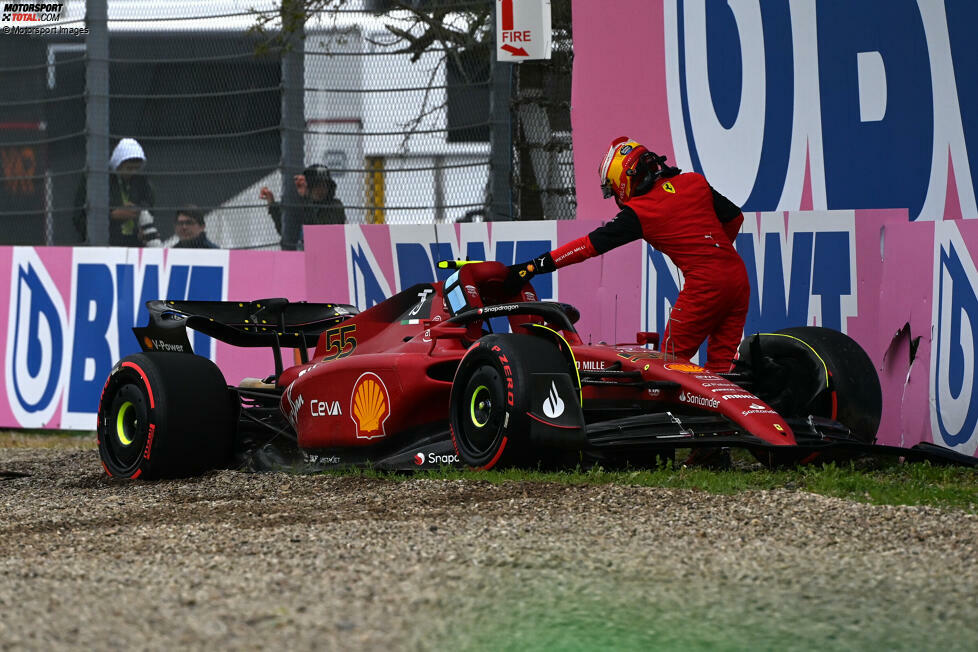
[{"x": 522, "y": 272}]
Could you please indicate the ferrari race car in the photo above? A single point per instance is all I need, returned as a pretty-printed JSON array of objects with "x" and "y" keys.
[{"x": 466, "y": 372}]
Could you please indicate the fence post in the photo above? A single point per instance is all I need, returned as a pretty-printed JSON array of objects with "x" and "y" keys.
[
  {"x": 293, "y": 121},
  {"x": 501, "y": 142},
  {"x": 97, "y": 121}
]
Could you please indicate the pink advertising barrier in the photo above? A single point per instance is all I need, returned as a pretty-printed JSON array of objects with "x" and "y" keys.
[
  {"x": 69, "y": 314},
  {"x": 904, "y": 291},
  {"x": 745, "y": 94}
]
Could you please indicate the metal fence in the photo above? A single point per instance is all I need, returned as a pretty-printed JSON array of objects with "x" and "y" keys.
[{"x": 221, "y": 113}]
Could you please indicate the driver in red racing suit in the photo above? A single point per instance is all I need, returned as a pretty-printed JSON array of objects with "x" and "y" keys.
[{"x": 682, "y": 216}]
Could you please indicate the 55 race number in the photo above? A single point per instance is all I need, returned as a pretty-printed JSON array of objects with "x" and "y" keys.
[{"x": 340, "y": 342}]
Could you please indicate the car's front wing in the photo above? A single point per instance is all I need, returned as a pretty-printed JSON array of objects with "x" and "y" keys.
[{"x": 665, "y": 430}]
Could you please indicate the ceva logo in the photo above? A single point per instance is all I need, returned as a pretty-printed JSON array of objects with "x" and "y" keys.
[
  {"x": 64, "y": 355},
  {"x": 953, "y": 390}
]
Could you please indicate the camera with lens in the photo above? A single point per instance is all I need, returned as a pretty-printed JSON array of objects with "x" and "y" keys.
[{"x": 147, "y": 230}]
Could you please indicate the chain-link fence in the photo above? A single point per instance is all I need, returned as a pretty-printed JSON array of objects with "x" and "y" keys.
[
  {"x": 543, "y": 165},
  {"x": 225, "y": 116}
]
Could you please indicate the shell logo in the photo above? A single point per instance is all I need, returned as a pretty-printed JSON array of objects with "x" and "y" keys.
[
  {"x": 370, "y": 406},
  {"x": 148, "y": 342},
  {"x": 685, "y": 368}
]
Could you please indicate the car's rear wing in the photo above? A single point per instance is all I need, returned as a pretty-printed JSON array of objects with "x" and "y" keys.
[{"x": 263, "y": 323}]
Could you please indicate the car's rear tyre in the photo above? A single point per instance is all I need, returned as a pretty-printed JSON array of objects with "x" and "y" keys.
[
  {"x": 809, "y": 370},
  {"x": 490, "y": 400},
  {"x": 165, "y": 415}
]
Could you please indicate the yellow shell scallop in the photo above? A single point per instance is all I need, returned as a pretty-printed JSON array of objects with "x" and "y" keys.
[{"x": 369, "y": 406}]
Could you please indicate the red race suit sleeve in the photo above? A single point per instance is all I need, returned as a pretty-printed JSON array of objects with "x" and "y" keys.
[
  {"x": 623, "y": 229},
  {"x": 573, "y": 252}
]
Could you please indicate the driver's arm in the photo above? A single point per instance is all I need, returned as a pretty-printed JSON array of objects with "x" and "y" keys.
[{"x": 623, "y": 229}]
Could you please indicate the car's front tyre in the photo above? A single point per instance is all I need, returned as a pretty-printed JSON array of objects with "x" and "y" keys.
[{"x": 490, "y": 400}]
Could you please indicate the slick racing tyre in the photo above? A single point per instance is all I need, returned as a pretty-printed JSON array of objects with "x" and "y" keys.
[
  {"x": 165, "y": 415},
  {"x": 491, "y": 398},
  {"x": 809, "y": 370}
]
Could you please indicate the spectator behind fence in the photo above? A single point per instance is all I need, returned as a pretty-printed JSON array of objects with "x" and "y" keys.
[
  {"x": 190, "y": 229},
  {"x": 130, "y": 200},
  {"x": 317, "y": 190}
]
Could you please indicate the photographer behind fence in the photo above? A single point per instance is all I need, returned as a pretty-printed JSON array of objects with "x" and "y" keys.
[
  {"x": 317, "y": 190},
  {"x": 191, "y": 230},
  {"x": 130, "y": 200}
]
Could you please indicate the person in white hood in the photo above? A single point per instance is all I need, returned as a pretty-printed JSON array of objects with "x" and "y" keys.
[{"x": 130, "y": 194}]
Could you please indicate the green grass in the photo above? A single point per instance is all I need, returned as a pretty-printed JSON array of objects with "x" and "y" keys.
[
  {"x": 893, "y": 484},
  {"x": 870, "y": 482}
]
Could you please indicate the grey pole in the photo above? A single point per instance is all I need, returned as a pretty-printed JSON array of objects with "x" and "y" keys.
[
  {"x": 501, "y": 140},
  {"x": 97, "y": 121},
  {"x": 293, "y": 123}
]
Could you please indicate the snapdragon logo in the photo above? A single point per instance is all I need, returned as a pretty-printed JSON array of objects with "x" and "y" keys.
[{"x": 435, "y": 458}]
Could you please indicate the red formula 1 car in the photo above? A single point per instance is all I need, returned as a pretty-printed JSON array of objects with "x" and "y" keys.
[{"x": 422, "y": 380}]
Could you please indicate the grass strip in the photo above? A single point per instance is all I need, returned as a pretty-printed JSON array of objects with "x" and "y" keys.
[{"x": 891, "y": 484}]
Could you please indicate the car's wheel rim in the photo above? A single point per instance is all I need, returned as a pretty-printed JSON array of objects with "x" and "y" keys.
[
  {"x": 128, "y": 427},
  {"x": 126, "y": 424},
  {"x": 482, "y": 428},
  {"x": 480, "y": 407}
]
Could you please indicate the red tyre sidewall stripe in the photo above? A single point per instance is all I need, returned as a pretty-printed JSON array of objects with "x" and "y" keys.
[
  {"x": 552, "y": 425},
  {"x": 451, "y": 431},
  {"x": 142, "y": 374},
  {"x": 835, "y": 401},
  {"x": 499, "y": 454}
]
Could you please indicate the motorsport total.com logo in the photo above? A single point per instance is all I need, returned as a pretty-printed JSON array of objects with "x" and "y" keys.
[
  {"x": 29, "y": 18},
  {"x": 31, "y": 12}
]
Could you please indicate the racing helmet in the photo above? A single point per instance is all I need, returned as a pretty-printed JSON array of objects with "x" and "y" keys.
[{"x": 629, "y": 169}]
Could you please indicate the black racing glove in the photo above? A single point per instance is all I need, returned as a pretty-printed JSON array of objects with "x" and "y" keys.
[{"x": 522, "y": 272}]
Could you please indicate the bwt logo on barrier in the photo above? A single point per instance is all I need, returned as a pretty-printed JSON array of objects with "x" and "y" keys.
[
  {"x": 54, "y": 353},
  {"x": 758, "y": 92},
  {"x": 414, "y": 254},
  {"x": 801, "y": 269},
  {"x": 953, "y": 390}
]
